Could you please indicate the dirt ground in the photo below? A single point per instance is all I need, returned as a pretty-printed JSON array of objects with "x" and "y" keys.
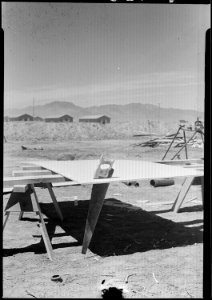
[{"x": 139, "y": 244}]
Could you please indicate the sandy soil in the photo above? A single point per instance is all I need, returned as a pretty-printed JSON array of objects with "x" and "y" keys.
[{"x": 139, "y": 244}]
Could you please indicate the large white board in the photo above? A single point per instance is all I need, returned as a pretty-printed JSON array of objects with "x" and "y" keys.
[{"x": 82, "y": 171}]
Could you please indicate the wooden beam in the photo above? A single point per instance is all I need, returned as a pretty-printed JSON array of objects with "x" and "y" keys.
[
  {"x": 66, "y": 183},
  {"x": 31, "y": 173},
  {"x": 181, "y": 162},
  {"x": 182, "y": 194},
  {"x": 42, "y": 224},
  {"x": 95, "y": 206},
  {"x": 8, "y": 190},
  {"x": 30, "y": 168},
  {"x": 194, "y": 167},
  {"x": 11, "y": 181}
]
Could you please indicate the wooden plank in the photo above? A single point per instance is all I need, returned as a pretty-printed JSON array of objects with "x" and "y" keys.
[
  {"x": 182, "y": 194},
  {"x": 31, "y": 168},
  {"x": 31, "y": 173},
  {"x": 42, "y": 224},
  {"x": 195, "y": 166},
  {"x": 82, "y": 171},
  {"x": 97, "y": 199},
  {"x": 95, "y": 206},
  {"x": 64, "y": 184},
  {"x": 11, "y": 181},
  {"x": 181, "y": 162},
  {"x": 9, "y": 190}
]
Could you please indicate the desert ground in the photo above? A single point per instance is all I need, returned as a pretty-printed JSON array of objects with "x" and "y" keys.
[{"x": 139, "y": 244}]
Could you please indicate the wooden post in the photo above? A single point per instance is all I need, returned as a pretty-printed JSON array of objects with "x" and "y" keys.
[
  {"x": 97, "y": 199},
  {"x": 171, "y": 142},
  {"x": 182, "y": 194},
  {"x": 186, "y": 151}
]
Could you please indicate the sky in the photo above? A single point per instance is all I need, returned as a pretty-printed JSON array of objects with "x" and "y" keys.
[{"x": 98, "y": 54}]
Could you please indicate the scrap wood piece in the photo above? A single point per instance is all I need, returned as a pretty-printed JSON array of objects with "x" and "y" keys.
[
  {"x": 30, "y": 294},
  {"x": 155, "y": 278},
  {"x": 31, "y": 148},
  {"x": 192, "y": 199},
  {"x": 160, "y": 203}
]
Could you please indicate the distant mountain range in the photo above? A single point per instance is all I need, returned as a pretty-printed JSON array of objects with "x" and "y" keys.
[{"x": 128, "y": 112}]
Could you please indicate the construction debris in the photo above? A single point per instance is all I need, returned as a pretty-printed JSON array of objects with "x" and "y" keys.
[
  {"x": 31, "y": 148},
  {"x": 159, "y": 141},
  {"x": 177, "y": 139}
]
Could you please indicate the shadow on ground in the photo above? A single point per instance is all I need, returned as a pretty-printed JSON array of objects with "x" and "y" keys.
[{"x": 122, "y": 229}]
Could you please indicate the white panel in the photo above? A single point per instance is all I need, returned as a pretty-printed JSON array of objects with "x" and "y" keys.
[{"x": 83, "y": 171}]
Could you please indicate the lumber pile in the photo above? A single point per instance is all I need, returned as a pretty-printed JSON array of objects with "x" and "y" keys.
[{"x": 167, "y": 139}]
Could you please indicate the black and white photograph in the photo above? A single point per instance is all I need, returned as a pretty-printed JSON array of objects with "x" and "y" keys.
[{"x": 103, "y": 149}]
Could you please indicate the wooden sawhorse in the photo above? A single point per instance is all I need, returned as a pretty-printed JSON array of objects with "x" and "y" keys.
[{"x": 24, "y": 199}]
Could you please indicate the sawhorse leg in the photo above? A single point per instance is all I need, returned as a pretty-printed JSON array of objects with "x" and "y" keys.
[
  {"x": 54, "y": 200},
  {"x": 97, "y": 199},
  {"x": 42, "y": 223},
  {"x": 182, "y": 194}
]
